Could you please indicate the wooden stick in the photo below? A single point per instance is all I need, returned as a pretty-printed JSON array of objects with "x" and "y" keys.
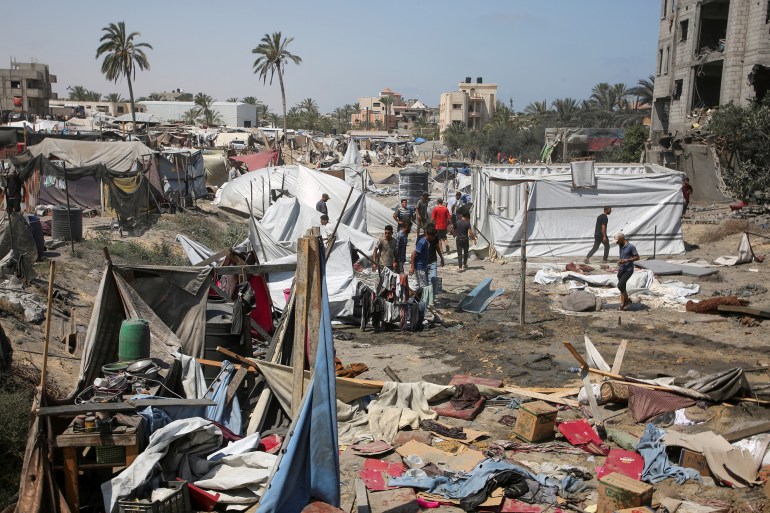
[
  {"x": 330, "y": 242},
  {"x": 213, "y": 363},
  {"x": 619, "y": 356},
  {"x": 51, "y": 273}
]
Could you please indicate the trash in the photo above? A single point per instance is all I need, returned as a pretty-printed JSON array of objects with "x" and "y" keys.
[
  {"x": 479, "y": 298},
  {"x": 413, "y": 461},
  {"x": 618, "y": 491},
  {"x": 535, "y": 422},
  {"x": 624, "y": 462},
  {"x": 581, "y": 434},
  {"x": 541, "y": 362},
  {"x": 374, "y": 472}
]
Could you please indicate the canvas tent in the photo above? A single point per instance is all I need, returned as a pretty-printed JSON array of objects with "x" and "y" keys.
[
  {"x": 183, "y": 172},
  {"x": 646, "y": 202},
  {"x": 215, "y": 167}
]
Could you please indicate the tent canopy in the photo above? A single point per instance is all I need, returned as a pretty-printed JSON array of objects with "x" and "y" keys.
[{"x": 117, "y": 156}]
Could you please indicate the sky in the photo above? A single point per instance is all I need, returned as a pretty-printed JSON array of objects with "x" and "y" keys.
[{"x": 533, "y": 50}]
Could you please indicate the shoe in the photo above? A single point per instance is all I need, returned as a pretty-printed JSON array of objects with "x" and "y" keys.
[{"x": 586, "y": 260}]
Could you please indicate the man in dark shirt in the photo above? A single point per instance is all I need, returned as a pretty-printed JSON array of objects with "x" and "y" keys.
[
  {"x": 321, "y": 205},
  {"x": 600, "y": 236},
  {"x": 463, "y": 234},
  {"x": 422, "y": 212},
  {"x": 421, "y": 256},
  {"x": 686, "y": 191},
  {"x": 403, "y": 214},
  {"x": 628, "y": 255},
  {"x": 13, "y": 191}
]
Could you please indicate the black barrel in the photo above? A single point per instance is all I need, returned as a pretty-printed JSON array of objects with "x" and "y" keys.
[
  {"x": 412, "y": 182},
  {"x": 60, "y": 224}
]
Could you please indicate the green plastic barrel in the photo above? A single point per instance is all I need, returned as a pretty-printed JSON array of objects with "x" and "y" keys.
[{"x": 134, "y": 340}]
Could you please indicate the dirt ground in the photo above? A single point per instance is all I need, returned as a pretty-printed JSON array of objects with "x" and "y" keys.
[{"x": 661, "y": 341}]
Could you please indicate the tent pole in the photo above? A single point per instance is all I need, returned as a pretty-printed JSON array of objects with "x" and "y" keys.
[
  {"x": 48, "y": 314},
  {"x": 330, "y": 242},
  {"x": 69, "y": 219},
  {"x": 523, "y": 277}
]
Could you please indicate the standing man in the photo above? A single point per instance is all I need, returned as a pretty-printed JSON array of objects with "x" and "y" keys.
[
  {"x": 14, "y": 190},
  {"x": 600, "y": 236},
  {"x": 441, "y": 219},
  {"x": 420, "y": 256},
  {"x": 422, "y": 213},
  {"x": 385, "y": 251},
  {"x": 686, "y": 191},
  {"x": 325, "y": 228},
  {"x": 463, "y": 233},
  {"x": 235, "y": 171},
  {"x": 403, "y": 240},
  {"x": 628, "y": 255},
  {"x": 403, "y": 214},
  {"x": 321, "y": 205},
  {"x": 452, "y": 205},
  {"x": 434, "y": 255}
]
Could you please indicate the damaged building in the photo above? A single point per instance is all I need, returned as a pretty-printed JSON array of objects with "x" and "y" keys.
[{"x": 710, "y": 53}]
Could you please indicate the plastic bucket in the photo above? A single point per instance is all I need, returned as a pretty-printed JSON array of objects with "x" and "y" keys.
[{"x": 134, "y": 340}]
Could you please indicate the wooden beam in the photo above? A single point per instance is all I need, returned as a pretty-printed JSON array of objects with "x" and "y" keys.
[
  {"x": 392, "y": 374},
  {"x": 739, "y": 434},
  {"x": 618, "y": 361},
  {"x": 235, "y": 384},
  {"x": 214, "y": 363},
  {"x": 314, "y": 300},
  {"x": 300, "y": 324},
  {"x": 236, "y": 356},
  {"x": 257, "y": 269},
  {"x": 362, "y": 498},
  {"x": 746, "y": 310},
  {"x": 543, "y": 397}
]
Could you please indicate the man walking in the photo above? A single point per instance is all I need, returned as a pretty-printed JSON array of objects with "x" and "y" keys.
[
  {"x": 420, "y": 257},
  {"x": 463, "y": 234},
  {"x": 321, "y": 205},
  {"x": 401, "y": 242},
  {"x": 385, "y": 251},
  {"x": 441, "y": 219},
  {"x": 403, "y": 214},
  {"x": 422, "y": 212},
  {"x": 628, "y": 255},
  {"x": 14, "y": 191},
  {"x": 600, "y": 236},
  {"x": 686, "y": 191}
]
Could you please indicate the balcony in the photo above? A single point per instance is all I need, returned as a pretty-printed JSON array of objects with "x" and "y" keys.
[{"x": 476, "y": 98}]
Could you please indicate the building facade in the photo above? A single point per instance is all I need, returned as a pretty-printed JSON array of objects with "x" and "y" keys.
[
  {"x": 710, "y": 53},
  {"x": 95, "y": 108},
  {"x": 235, "y": 114},
  {"x": 472, "y": 105},
  {"x": 26, "y": 87},
  {"x": 372, "y": 112}
]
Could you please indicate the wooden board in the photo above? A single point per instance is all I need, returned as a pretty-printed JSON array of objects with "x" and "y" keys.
[
  {"x": 543, "y": 397},
  {"x": 747, "y": 310}
]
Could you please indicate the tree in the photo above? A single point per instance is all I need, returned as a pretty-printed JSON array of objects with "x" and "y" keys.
[
  {"x": 631, "y": 148},
  {"x": 78, "y": 93},
  {"x": 643, "y": 91},
  {"x": 308, "y": 104},
  {"x": 190, "y": 116},
  {"x": 114, "y": 98},
  {"x": 536, "y": 108},
  {"x": 273, "y": 55},
  {"x": 185, "y": 97},
  {"x": 250, "y": 100},
  {"x": 232, "y": 100},
  {"x": 386, "y": 102},
  {"x": 567, "y": 110},
  {"x": 263, "y": 112},
  {"x": 204, "y": 108},
  {"x": 122, "y": 56},
  {"x": 93, "y": 96}
]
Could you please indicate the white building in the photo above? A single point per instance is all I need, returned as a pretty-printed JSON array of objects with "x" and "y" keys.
[{"x": 233, "y": 114}]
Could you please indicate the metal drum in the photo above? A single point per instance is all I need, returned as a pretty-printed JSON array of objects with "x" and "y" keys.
[
  {"x": 61, "y": 221},
  {"x": 412, "y": 182}
]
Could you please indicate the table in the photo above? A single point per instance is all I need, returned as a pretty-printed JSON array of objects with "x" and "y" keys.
[{"x": 69, "y": 441}]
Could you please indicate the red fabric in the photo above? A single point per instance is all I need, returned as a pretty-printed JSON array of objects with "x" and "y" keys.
[
  {"x": 645, "y": 404},
  {"x": 441, "y": 217},
  {"x": 262, "y": 313},
  {"x": 255, "y": 161},
  {"x": 374, "y": 472}
]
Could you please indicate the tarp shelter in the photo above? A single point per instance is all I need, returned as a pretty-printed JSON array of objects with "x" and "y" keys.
[
  {"x": 255, "y": 161},
  {"x": 113, "y": 176},
  {"x": 183, "y": 172},
  {"x": 646, "y": 202},
  {"x": 215, "y": 166}
]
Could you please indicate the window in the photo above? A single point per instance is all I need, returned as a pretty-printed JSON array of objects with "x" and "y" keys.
[
  {"x": 15, "y": 84},
  {"x": 457, "y": 106},
  {"x": 246, "y": 123},
  {"x": 664, "y": 9},
  {"x": 375, "y": 104},
  {"x": 678, "y": 84},
  {"x": 660, "y": 61},
  {"x": 121, "y": 110},
  {"x": 684, "y": 27},
  {"x": 668, "y": 57}
]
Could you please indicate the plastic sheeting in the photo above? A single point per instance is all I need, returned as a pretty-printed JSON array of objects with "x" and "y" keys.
[
  {"x": 183, "y": 170},
  {"x": 116, "y": 156}
]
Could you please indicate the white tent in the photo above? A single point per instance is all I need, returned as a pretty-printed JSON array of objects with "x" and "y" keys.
[{"x": 646, "y": 203}]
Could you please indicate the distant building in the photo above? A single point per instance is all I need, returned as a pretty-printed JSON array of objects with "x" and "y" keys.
[
  {"x": 710, "y": 53},
  {"x": 26, "y": 87},
  {"x": 412, "y": 112},
  {"x": 371, "y": 111},
  {"x": 236, "y": 114},
  {"x": 473, "y": 105},
  {"x": 93, "y": 108}
]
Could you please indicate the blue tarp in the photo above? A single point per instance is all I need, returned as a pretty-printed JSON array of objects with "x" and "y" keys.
[{"x": 310, "y": 466}]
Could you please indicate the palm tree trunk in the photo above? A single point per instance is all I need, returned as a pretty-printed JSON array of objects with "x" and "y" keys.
[
  {"x": 283, "y": 99},
  {"x": 131, "y": 98}
]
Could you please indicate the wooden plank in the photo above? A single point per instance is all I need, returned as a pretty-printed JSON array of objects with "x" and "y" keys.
[
  {"x": 214, "y": 363},
  {"x": 543, "y": 397},
  {"x": 71, "y": 478},
  {"x": 79, "y": 409},
  {"x": 362, "y": 498},
  {"x": 257, "y": 269},
  {"x": 392, "y": 374},
  {"x": 95, "y": 440},
  {"x": 595, "y": 411},
  {"x": 172, "y": 401},
  {"x": 739, "y": 434},
  {"x": 300, "y": 324},
  {"x": 578, "y": 357},
  {"x": 236, "y": 356},
  {"x": 235, "y": 384},
  {"x": 618, "y": 361},
  {"x": 747, "y": 310},
  {"x": 314, "y": 301}
]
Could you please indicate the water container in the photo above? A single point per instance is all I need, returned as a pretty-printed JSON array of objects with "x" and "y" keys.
[
  {"x": 412, "y": 183},
  {"x": 61, "y": 221},
  {"x": 36, "y": 229},
  {"x": 134, "y": 340}
]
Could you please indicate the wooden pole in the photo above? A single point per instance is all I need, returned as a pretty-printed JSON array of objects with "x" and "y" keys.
[
  {"x": 523, "y": 276},
  {"x": 330, "y": 242},
  {"x": 48, "y": 315},
  {"x": 300, "y": 324},
  {"x": 69, "y": 214}
]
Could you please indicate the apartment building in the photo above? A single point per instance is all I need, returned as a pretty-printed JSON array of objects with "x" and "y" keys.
[
  {"x": 26, "y": 87},
  {"x": 472, "y": 105}
]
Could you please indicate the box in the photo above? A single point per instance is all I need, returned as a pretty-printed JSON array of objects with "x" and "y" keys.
[
  {"x": 535, "y": 422},
  {"x": 695, "y": 460},
  {"x": 618, "y": 491}
]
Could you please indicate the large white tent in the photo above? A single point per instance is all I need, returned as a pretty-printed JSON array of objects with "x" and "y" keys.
[{"x": 646, "y": 202}]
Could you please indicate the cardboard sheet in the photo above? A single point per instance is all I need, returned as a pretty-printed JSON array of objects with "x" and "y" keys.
[{"x": 464, "y": 460}]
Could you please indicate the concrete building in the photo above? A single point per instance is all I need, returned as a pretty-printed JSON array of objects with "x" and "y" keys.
[
  {"x": 371, "y": 111},
  {"x": 233, "y": 114},
  {"x": 91, "y": 108},
  {"x": 471, "y": 105},
  {"x": 26, "y": 87},
  {"x": 710, "y": 53}
]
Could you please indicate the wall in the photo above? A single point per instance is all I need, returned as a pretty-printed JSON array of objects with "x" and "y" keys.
[{"x": 233, "y": 114}]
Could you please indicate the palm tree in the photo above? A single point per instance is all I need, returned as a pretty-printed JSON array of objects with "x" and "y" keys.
[
  {"x": 250, "y": 100},
  {"x": 536, "y": 108},
  {"x": 190, "y": 116},
  {"x": 308, "y": 105},
  {"x": 92, "y": 96},
  {"x": 232, "y": 100},
  {"x": 274, "y": 119},
  {"x": 567, "y": 110},
  {"x": 502, "y": 116},
  {"x": 204, "y": 104},
  {"x": 603, "y": 96},
  {"x": 78, "y": 93},
  {"x": 114, "y": 98},
  {"x": 263, "y": 112},
  {"x": 155, "y": 97},
  {"x": 122, "y": 55},
  {"x": 643, "y": 91},
  {"x": 620, "y": 91},
  {"x": 273, "y": 54},
  {"x": 386, "y": 102}
]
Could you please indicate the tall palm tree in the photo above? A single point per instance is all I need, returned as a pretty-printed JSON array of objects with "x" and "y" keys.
[
  {"x": 114, "y": 98},
  {"x": 308, "y": 105},
  {"x": 232, "y": 100},
  {"x": 273, "y": 54},
  {"x": 567, "y": 110},
  {"x": 536, "y": 108},
  {"x": 122, "y": 55},
  {"x": 263, "y": 112},
  {"x": 190, "y": 116},
  {"x": 620, "y": 91},
  {"x": 603, "y": 96},
  {"x": 387, "y": 102},
  {"x": 92, "y": 96},
  {"x": 204, "y": 108},
  {"x": 250, "y": 100},
  {"x": 643, "y": 91},
  {"x": 78, "y": 93}
]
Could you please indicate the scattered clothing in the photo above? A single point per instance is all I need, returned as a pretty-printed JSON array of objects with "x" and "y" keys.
[{"x": 657, "y": 467}]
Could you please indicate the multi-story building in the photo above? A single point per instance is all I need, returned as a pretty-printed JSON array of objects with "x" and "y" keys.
[
  {"x": 372, "y": 111},
  {"x": 710, "y": 53},
  {"x": 471, "y": 105},
  {"x": 91, "y": 109},
  {"x": 26, "y": 87}
]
